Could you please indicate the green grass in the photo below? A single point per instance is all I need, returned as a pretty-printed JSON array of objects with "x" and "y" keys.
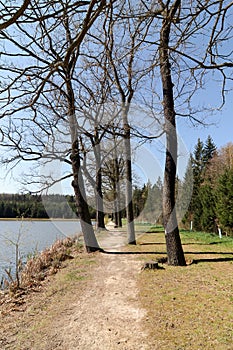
[
  {"x": 189, "y": 307},
  {"x": 74, "y": 276},
  {"x": 205, "y": 238},
  {"x": 193, "y": 236},
  {"x": 155, "y": 229}
]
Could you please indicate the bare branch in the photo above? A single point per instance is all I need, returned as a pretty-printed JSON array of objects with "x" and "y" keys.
[{"x": 16, "y": 16}]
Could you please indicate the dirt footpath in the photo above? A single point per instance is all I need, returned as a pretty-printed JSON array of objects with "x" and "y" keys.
[
  {"x": 100, "y": 313},
  {"x": 107, "y": 315}
]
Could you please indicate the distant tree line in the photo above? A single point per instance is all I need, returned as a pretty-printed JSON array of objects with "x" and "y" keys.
[
  {"x": 204, "y": 196},
  {"x": 37, "y": 206},
  {"x": 145, "y": 202}
]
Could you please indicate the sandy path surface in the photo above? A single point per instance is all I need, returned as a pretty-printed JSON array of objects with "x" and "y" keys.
[{"x": 107, "y": 315}]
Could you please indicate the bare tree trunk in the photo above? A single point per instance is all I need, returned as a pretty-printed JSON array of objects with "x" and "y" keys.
[
  {"x": 115, "y": 197},
  {"x": 116, "y": 186},
  {"x": 118, "y": 189},
  {"x": 174, "y": 247},
  {"x": 99, "y": 203},
  {"x": 118, "y": 194},
  {"x": 91, "y": 243},
  {"x": 80, "y": 198},
  {"x": 99, "y": 194},
  {"x": 128, "y": 177}
]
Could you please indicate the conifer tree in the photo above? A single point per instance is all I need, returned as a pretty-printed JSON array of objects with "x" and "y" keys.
[
  {"x": 202, "y": 207},
  {"x": 209, "y": 150},
  {"x": 207, "y": 216},
  {"x": 225, "y": 200}
]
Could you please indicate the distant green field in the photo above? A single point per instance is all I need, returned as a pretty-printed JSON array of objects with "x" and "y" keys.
[{"x": 205, "y": 238}]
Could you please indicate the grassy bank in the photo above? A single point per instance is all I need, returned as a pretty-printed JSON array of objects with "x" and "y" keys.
[
  {"x": 189, "y": 307},
  {"x": 40, "y": 265}
]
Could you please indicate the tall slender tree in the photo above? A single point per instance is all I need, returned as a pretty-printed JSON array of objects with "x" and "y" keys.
[
  {"x": 173, "y": 242},
  {"x": 178, "y": 28}
]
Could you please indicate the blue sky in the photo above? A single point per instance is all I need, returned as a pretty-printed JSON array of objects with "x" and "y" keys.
[
  {"x": 221, "y": 131},
  {"x": 220, "y": 128},
  {"x": 149, "y": 162}
]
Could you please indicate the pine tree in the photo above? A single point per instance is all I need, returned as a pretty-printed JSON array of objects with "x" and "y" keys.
[
  {"x": 202, "y": 207},
  {"x": 208, "y": 208},
  {"x": 225, "y": 200},
  {"x": 209, "y": 150},
  {"x": 184, "y": 203},
  {"x": 198, "y": 162},
  {"x": 198, "y": 167}
]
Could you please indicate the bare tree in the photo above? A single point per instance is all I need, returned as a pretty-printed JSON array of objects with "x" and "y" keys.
[
  {"x": 123, "y": 43},
  {"x": 164, "y": 51},
  {"x": 39, "y": 83},
  {"x": 93, "y": 94},
  {"x": 174, "y": 247},
  {"x": 188, "y": 39}
]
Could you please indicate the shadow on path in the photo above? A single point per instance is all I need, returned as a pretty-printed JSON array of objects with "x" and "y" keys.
[
  {"x": 210, "y": 253},
  {"x": 150, "y": 243},
  {"x": 152, "y": 252}
]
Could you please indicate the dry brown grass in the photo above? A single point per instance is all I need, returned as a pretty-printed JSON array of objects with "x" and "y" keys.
[
  {"x": 188, "y": 307},
  {"x": 41, "y": 265},
  {"x": 47, "y": 263}
]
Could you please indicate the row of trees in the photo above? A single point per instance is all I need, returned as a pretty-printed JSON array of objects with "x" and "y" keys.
[
  {"x": 148, "y": 202},
  {"x": 36, "y": 206},
  {"x": 147, "y": 205},
  {"x": 211, "y": 202},
  {"x": 71, "y": 74}
]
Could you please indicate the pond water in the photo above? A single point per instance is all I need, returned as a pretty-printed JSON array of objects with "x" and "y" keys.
[{"x": 32, "y": 236}]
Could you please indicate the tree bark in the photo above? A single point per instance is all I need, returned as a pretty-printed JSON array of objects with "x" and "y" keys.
[
  {"x": 118, "y": 199},
  {"x": 128, "y": 177},
  {"x": 99, "y": 194},
  {"x": 115, "y": 214},
  {"x": 90, "y": 240},
  {"x": 116, "y": 185},
  {"x": 91, "y": 243},
  {"x": 173, "y": 243}
]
